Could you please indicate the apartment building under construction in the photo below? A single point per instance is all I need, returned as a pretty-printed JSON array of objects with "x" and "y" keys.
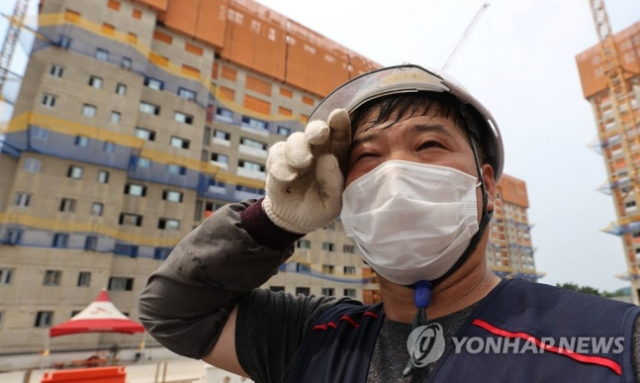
[
  {"x": 137, "y": 120},
  {"x": 510, "y": 251},
  {"x": 620, "y": 155}
]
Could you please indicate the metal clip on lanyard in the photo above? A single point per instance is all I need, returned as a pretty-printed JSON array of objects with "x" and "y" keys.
[{"x": 422, "y": 299}]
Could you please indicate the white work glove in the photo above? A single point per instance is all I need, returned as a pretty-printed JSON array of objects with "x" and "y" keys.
[{"x": 305, "y": 178}]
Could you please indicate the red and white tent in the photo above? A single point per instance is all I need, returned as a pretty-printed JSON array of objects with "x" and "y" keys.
[{"x": 100, "y": 316}]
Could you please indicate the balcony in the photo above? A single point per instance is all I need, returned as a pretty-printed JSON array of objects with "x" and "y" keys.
[
  {"x": 221, "y": 165},
  {"x": 255, "y": 174},
  {"x": 220, "y": 141},
  {"x": 215, "y": 189},
  {"x": 253, "y": 125},
  {"x": 246, "y": 149},
  {"x": 251, "y": 129},
  {"x": 225, "y": 119}
]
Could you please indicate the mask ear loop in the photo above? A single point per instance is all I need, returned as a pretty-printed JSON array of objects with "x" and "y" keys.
[{"x": 423, "y": 289}]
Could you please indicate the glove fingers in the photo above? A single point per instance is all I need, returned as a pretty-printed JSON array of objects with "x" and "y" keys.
[
  {"x": 340, "y": 140},
  {"x": 317, "y": 132},
  {"x": 298, "y": 151},
  {"x": 277, "y": 164},
  {"x": 330, "y": 182}
]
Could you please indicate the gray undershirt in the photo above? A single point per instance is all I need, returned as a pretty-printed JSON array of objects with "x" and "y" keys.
[{"x": 390, "y": 355}]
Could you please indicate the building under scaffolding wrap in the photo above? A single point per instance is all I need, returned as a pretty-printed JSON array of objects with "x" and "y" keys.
[
  {"x": 510, "y": 253},
  {"x": 609, "y": 142},
  {"x": 135, "y": 121}
]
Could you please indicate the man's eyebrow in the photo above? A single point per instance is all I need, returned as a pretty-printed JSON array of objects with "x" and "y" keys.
[
  {"x": 439, "y": 128},
  {"x": 421, "y": 128},
  {"x": 362, "y": 140}
]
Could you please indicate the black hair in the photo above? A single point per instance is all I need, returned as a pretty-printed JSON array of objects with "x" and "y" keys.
[{"x": 406, "y": 105}]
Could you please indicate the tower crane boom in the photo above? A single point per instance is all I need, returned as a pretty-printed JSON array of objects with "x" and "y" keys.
[{"x": 466, "y": 34}]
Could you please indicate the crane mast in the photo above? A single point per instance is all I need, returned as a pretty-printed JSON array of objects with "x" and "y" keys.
[{"x": 10, "y": 41}]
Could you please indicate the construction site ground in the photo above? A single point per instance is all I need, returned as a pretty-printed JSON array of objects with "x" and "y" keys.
[{"x": 180, "y": 370}]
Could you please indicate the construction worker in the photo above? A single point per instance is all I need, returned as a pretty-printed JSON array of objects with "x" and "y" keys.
[{"x": 409, "y": 160}]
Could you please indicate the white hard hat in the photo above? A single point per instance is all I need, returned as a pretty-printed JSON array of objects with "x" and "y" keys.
[{"x": 409, "y": 78}]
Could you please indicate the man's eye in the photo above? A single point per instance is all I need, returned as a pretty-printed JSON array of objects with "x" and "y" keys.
[
  {"x": 430, "y": 144},
  {"x": 364, "y": 155}
]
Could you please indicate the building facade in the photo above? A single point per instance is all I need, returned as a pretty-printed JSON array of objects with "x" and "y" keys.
[
  {"x": 510, "y": 252},
  {"x": 610, "y": 144},
  {"x": 137, "y": 120}
]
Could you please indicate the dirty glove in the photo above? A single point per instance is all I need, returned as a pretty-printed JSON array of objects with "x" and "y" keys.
[{"x": 305, "y": 175}]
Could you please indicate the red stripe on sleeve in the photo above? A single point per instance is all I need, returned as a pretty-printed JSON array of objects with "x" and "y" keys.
[
  {"x": 370, "y": 314},
  {"x": 350, "y": 320}
]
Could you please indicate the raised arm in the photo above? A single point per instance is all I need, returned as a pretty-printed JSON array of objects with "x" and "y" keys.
[{"x": 189, "y": 299}]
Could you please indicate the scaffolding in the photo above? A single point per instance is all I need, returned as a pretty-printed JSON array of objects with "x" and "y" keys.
[{"x": 626, "y": 132}]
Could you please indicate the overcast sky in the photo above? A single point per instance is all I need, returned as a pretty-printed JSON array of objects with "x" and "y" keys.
[{"x": 520, "y": 62}]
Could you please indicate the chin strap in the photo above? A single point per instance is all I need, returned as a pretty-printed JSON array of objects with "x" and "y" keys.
[
  {"x": 423, "y": 289},
  {"x": 486, "y": 215}
]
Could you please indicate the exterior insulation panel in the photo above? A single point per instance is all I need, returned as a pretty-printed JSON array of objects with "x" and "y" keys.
[
  {"x": 212, "y": 22},
  {"x": 590, "y": 65},
  {"x": 182, "y": 16},
  {"x": 202, "y": 19},
  {"x": 160, "y": 5},
  {"x": 315, "y": 63},
  {"x": 513, "y": 191},
  {"x": 255, "y": 37}
]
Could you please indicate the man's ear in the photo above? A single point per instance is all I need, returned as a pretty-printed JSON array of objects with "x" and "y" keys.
[{"x": 490, "y": 184}]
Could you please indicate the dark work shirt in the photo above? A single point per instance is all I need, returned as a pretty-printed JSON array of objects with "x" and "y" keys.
[{"x": 270, "y": 328}]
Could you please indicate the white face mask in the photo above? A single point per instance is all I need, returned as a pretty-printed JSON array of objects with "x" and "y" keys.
[{"x": 411, "y": 221}]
